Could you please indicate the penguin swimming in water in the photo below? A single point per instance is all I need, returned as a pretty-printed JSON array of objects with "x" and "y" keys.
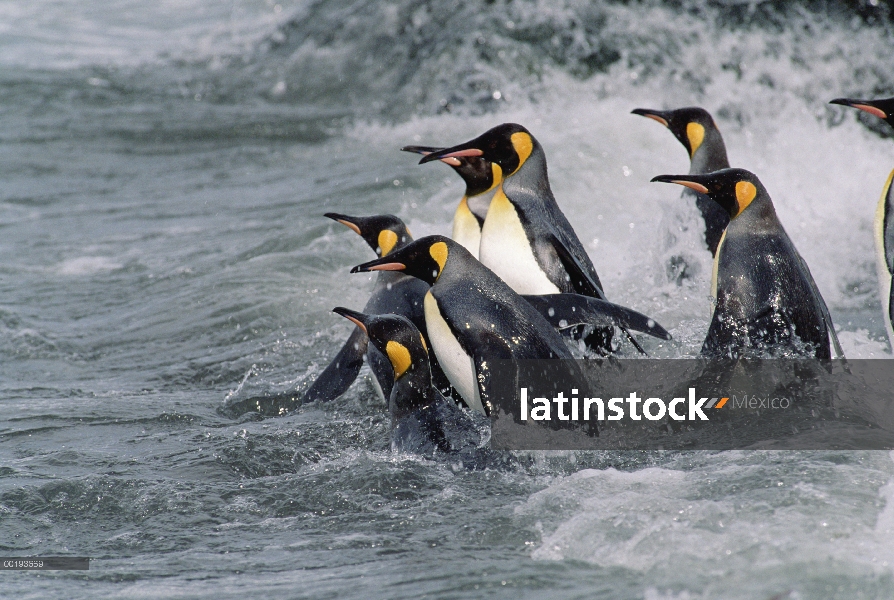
[
  {"x": 393, "y": 293},
  {"x": 884, "y": 215},
  {"x": 474, "y": 318},
  {"x": 482, "y": 179},
  {"x": 765, "y": 294},
  {"x": 422, "y": 420},
  {"x": 526, "y": 239},
  {"x": 697, "y": 131},
  {"x": 471, "y": 315}
]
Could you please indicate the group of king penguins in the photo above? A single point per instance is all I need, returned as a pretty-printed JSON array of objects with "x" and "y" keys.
[{"x": 514, "y": 279}]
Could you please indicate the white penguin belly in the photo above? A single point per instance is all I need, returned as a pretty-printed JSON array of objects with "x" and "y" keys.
[
  {"x": 456, "y": 364},
  {"x": 506, "y": 251},
  {"x": 466, "y": 231},
  {"x": 884, "y": 275}
]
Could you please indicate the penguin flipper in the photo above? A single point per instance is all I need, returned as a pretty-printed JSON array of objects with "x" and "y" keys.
[
  {"x": 341, "y": 372},
  {"x": 568, "y": 310},
  {"x": 585, "y": 282},
  {"x": 487, "y": 349}
]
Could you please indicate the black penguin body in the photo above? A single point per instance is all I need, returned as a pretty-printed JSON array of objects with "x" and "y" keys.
[
  {"x": 884, "y": 216},
  {"x": 763, "y": 295},
  {"x": 472, "y": 316},
  {"x": 394, "y": 293},
  {"x": 767, "y": 302},
  {"x": 696, "y": 130}
]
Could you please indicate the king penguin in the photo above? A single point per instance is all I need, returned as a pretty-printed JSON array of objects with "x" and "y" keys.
[
  {"x": 482, "y": 178},
  {"x": 393, "y": 293},
  {"x": 884, "y": 216},
  {"x": 422, "y": 420},
  {"x": 767, "y": 302},
  {"x": 473, "y": 317},
  {"x": 697, "y": 131},
  {"x": 526, "y": 239}
]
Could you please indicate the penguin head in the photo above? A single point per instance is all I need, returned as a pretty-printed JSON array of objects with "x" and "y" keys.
[
  {"x": 383, "y": 233},
  {"x": 689, "y": 125},
  {"x": 883, "y": 109},
  {"x": 425, "y": 258},
  {"x": 480, "y": 174},
  {"x": 733, "y": 189},
  {"x": 394, "y": 336},
  {"x": 508, "y": 146}
]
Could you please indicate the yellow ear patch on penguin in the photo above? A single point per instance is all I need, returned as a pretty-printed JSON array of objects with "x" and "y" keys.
[
  {"x": 387, "y": 240},
  {"x": 438, "y": 251},
  {"x": 696, "y": 134},
  {"x": 745, "y": 193},
  {"x": 399, "y": 357},
  {"x": 523, "y": 145}
]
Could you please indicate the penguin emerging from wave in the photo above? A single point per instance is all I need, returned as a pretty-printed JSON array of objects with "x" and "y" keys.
[
  {"x": 697, "y": 131},
  {"x": 393, "y": 293},
  {"x": 884, "y": 215},
  {"x": 482, "y": 179},
  {"x": 474, "y": 318},
  {"x": 767, "y": 301},
  {"x": 422, "y": 420},
  {"x": 526, "y": 239}
]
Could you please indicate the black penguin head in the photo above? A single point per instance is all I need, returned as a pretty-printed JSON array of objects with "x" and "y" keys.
[
  {"x": 383, "y": 233},
  {"x": 689, "y": 124},
  {"x": 480, "y": 174},
  {"x": 424, "y": 258},
  {"x": 395, "y": 336},
  {"x": 883, "y": 109},
  {"x": 733, "y": 189},
  {"x": 508, "y": 146}
]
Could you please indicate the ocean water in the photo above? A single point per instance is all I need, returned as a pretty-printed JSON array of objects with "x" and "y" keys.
[{"x": 166, "y": 278}]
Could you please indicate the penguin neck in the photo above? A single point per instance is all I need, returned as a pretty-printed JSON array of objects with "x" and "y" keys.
[
  {"x": 532, "y": 176},
  {"x": 758, "y": 217},
  {"x": 467, "y": 225},
  {"x": 413, "y": 390},
  {"x": 479, "y": 203},
  {"x": 710, "y": 156}
]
